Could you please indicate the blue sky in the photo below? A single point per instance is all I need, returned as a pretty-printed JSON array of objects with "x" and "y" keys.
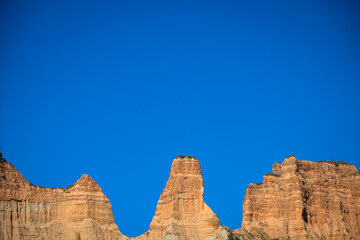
[{"x": 118, "y": 89}]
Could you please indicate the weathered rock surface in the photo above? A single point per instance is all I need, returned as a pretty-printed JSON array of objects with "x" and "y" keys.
[
  {"x": 298, "y": 200},
  {"x": 82, "y": 211},
  {"x": 32, "y": 212},
  {"x": 181, "y": 212},
  {"x": 304, "y": 200}
]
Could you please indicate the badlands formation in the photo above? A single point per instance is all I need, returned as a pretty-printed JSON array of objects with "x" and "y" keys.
[
  {"x": 305, "y": 200},
  {"x": 299, "y": 200},
  {"x": 32, "y": 212}
]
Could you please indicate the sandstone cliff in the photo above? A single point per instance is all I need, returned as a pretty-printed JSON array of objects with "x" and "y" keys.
[
  {"x": 304, "y": 200},
  {"x": 298, "y": 200},
  {"x": 181, "y": 212},
  {"x": 29, "y": 212},
  {"x": 82, "y": 211}
]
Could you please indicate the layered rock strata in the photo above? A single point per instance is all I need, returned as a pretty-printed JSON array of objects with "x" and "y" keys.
[
  {"x": 181, "y": 212},
  {"x": 298, "y": 200},
  {"x": 82, "y": 211},
  {"x": 305, "y": 200},
  {"x": 29, "y": 212}
]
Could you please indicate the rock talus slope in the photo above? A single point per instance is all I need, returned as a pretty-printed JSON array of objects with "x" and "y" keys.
[
  {"x": 181, "y": 212},
  {"x": 29, "y": 212},
  {"x": 305, "y": 200}
]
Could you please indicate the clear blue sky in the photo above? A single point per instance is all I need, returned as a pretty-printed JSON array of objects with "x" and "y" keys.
[{"x": 118, "y": 89}]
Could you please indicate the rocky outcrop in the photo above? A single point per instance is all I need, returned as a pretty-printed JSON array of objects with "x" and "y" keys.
[
  {"x": 82, "y": 211},
  {"x": 298, "y": 200},
  {"x": 181, "y": 212},
  {"x": 305, "y": 200},
  {"x": 29, "y": 212}
]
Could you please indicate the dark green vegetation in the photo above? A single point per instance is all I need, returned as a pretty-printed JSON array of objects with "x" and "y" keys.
[
  {"x": 272, "y": 174},
  {"x": 233, "y": 236},
  {"x": 336, "y": 163},
  {"x": 253, "y": 234},
  {"x": 182, "y": 156}
]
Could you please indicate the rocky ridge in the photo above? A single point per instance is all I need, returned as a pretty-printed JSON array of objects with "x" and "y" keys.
[
  {"x": 298, "y": 200},
  {"x": 33, "y": 212},
  {"x": 305, "y": 200},
  {"x": 82, "y": 211}
]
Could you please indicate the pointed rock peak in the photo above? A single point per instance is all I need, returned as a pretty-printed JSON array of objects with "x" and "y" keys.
[
  {"x": 10, "y": 174},
  {"x": 181, "y": 212},
  {"x": 185, "y": 165},
  {"x": 86, "y": 177},
  {"x": 87, "y": 183}
]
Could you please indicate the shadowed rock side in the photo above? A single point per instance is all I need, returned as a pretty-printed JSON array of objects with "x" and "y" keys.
[
  {"x": 29, "y": 212},
  {"x": 181, "y": 213},
  {"x": 304, "y": 200}
]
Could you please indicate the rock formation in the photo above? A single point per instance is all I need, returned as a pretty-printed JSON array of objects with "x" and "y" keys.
[
  {"x": 181, "y": 212},
  {"x": 82, "y": 211},
  {"x": 305, "y": 200},
  {"x": 298, "y": 200},
  {"x": 29, "y": 212}
]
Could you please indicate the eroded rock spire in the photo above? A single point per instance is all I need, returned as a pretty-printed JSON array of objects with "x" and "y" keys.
[{"x": 181, "y": 212}]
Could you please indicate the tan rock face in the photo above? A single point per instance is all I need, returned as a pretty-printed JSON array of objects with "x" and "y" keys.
[
  {"x": 181, "y": 212},
  {"x": 82, "y": 211},
  {"x": 305, "y": 200},
  {"x": 32, "y": 212},
  {"x": 300, "y": 199}
]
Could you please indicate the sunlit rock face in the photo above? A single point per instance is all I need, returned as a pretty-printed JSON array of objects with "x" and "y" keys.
[
  {"x": 181, "y": 212},
  {"x": 305, "y": 200},
  {"x": 80, "y": 211},
  {"x": 298, "y": 200}
]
